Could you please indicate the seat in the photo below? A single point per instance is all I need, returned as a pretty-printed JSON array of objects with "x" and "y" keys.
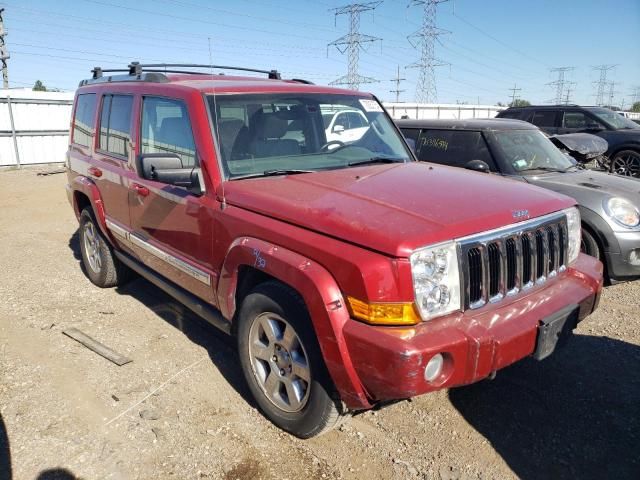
[
  {"x": 228, "y": 132},
  {"x": 268, "y": 131}
]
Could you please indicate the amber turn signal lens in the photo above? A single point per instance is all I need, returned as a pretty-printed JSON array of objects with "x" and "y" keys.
[{"x": 384, "y": 313}]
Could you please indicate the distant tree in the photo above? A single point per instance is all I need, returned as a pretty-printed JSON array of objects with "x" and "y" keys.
[
  {"x": 518, "y": 102},
  {"x": 635, "y": 107},
  {"x": 500, "y": 104},
  {"x": 39, "y": 87}
]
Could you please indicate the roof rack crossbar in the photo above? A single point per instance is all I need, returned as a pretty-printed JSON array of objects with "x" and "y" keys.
[{"x": 136, "y": 68}]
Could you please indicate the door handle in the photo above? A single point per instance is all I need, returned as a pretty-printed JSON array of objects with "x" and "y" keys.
[
  {"x": 95, "y": 172},
  {"x": 139, "y": 189}
]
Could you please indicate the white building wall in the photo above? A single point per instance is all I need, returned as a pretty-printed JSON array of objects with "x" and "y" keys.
[
  {"x": 419, "y": 111},
  {"x": 40, "y": 125}
]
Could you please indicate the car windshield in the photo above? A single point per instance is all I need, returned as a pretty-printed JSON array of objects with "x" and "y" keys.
[
  {"x": 298, "y": 133},
  {"x": 614, "y": 119},
  {"x": 530, "y": 150}
]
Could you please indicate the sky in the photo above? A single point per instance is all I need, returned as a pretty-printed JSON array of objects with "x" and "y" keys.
[{"x": 490, "y": 46}]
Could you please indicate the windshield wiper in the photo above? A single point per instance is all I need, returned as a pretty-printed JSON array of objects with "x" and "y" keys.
[
  {"x": 546, "y": 169},
  {"x": 271, "y": 173},
  {"x": 376, "y": 160}
]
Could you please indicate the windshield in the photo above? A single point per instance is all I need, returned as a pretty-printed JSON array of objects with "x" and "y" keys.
[
  {"x": 285, "y": 133},
  {"x": 530, "y": 150},
  {"x": 614, "y": 119}
]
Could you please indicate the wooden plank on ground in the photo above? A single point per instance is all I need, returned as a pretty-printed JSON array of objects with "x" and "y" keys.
[{"x": 96, "y": 346}]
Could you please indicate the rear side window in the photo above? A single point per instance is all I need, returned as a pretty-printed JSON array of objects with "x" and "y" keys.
[
  {"x": 453, "y": 147},
  {"x": 166, "y": 129},
  {"x": 115, "y": 124},
  {"x": 83, "y": 120},
  {"x": 545, "y": 118}
]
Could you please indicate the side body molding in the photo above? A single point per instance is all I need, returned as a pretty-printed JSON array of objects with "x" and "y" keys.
[{"x": 321, "y": 295}]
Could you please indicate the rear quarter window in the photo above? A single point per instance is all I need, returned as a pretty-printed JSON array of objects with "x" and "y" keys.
[{"x": 83, "y": 128}]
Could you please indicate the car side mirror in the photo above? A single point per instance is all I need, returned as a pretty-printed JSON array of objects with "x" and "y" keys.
[
  {"x": 167, "y": 168},
  {"x": 594, "y": 127},
  {"x": 477, "y": 166},
  {"x": 338, "y": 129}
]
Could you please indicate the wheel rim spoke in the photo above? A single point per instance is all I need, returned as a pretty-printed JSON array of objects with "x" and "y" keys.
[
  {"x": 300, "y": 369},
  {"x": 261, "y": 351},
  {"x": 272, "y": 384},
  {"x": 289, "y": 338},
  {"x": 294, "y": 393}
]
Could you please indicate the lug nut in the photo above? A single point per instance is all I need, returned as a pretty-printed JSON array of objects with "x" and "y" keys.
[
  {"x": 281, "y": 371},
  {"x": 274, "y": 358}
]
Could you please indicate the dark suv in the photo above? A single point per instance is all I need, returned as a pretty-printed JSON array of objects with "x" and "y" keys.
[
  {"x": 349, "y": 274},
  {"x": 622, "y": 134}
]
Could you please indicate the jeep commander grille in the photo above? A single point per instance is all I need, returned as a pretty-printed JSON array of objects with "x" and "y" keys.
[{"x": 508, "y": 260}]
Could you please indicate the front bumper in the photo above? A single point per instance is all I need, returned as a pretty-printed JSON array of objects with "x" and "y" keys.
[{"x": 390, "y": 361}]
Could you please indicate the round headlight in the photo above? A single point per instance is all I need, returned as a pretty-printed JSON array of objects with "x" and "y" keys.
[{"x": 622, "y": 211}]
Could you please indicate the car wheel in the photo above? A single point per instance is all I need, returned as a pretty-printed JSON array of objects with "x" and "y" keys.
[
  {"x": 589, "y": 245},
  {"x": 627, "y": 163},
  {"x": 100, "y": 264},
  {"x": 282, "y": 362}
]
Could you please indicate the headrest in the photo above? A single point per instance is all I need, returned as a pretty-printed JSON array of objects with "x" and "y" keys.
[{"x": 270, "y": 126}]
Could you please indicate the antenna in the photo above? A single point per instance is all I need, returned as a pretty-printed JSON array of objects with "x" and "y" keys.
[
  {"x": 352, "y": 43},
  {"x": 425, "y": 38}
]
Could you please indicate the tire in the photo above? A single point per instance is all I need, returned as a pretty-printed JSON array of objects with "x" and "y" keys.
[
  {"x": 626, "y": 163},
  {"x": 276, "y": 341},
  {"x": 589, "y": 245},
  {"x": 98, "y": 260}
]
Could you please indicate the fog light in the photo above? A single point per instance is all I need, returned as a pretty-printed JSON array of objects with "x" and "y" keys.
[
  {"x": 634, "y": 257},
  {"x": 433, "y": 368}
]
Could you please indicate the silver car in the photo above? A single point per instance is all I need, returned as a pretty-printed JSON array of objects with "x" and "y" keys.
[{"x": 609, "y": 204}]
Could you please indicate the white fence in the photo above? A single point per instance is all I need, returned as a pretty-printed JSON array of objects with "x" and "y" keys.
[
  {"x": 449, "y": 111},
  {"x": 34, "y": 126}
]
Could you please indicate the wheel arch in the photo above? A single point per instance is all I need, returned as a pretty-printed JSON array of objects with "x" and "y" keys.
[
  {"x": 86, "y": 193},
  {"x": 250, "y": 261}
]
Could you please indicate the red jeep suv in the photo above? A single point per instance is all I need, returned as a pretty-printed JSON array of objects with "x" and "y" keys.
[{"x": 350, "y": 274}]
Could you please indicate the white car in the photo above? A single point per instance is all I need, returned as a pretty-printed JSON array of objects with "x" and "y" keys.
[{"x": 345, "y": 126}]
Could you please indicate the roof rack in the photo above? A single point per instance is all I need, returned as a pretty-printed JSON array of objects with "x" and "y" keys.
[{"x": 153, "y": 72}]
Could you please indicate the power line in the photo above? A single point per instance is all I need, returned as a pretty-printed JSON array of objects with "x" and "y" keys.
[
  {"x": 560, "y": 82},
  {"x": 352, "y": 43},
  {"x": 426, "y": 37},
  {"x": 602, "y": 82},
  {"x": 397, "y": 81},
  {"x": 4, "y": 54}
]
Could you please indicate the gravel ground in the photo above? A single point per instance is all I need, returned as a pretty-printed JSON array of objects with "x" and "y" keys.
[{"x": 181, "y": 410}]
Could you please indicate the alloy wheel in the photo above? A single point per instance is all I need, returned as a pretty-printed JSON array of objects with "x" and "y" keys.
[
  {"x": 627, "y": 164},
  {"x": 279, "y": 362},
  {"x": 92, "y": 247}
]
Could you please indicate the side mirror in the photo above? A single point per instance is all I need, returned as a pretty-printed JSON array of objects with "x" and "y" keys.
[
  {"x": 594, "y": 127},
  {"x": 477, "y": 166},
  {"x": 338, "y": 129},
  {"x": 167, "y": 168}
]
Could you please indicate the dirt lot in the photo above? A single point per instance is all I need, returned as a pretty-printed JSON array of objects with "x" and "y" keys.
[{"x": 181, "y": 410}]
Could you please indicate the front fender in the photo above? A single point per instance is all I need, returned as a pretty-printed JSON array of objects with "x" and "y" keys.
[{"x": 322, "y": 298}]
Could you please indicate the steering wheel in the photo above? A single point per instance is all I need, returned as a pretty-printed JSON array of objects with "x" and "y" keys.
[{"x": 325, "y": 147}]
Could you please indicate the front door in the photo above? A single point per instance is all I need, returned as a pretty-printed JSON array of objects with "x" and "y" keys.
[{"x": 172, "y": 228}]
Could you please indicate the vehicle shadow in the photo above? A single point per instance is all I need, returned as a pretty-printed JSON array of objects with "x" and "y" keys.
[
  {"x": 574, "y": 415},
  {"x": 5, "y": 453}
]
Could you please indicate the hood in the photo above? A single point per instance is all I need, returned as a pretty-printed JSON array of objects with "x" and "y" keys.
[
  {"x": 393, "y": 208},
  {"x": 585, "y": 145},
  {"x": 589, "y": 187}
]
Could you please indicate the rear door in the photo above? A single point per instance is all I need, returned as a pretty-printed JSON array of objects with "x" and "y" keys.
[
  {"x": 547, "y": 120},
  {"x": 172, "y": 228},
  {"x": 113, "y": 156}
]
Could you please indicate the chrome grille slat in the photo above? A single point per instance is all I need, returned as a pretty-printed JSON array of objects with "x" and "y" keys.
[{"x": 496, "y": 265}]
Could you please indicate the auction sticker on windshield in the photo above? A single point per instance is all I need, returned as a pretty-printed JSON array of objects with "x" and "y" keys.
[{"x": 370, "y": 105}]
